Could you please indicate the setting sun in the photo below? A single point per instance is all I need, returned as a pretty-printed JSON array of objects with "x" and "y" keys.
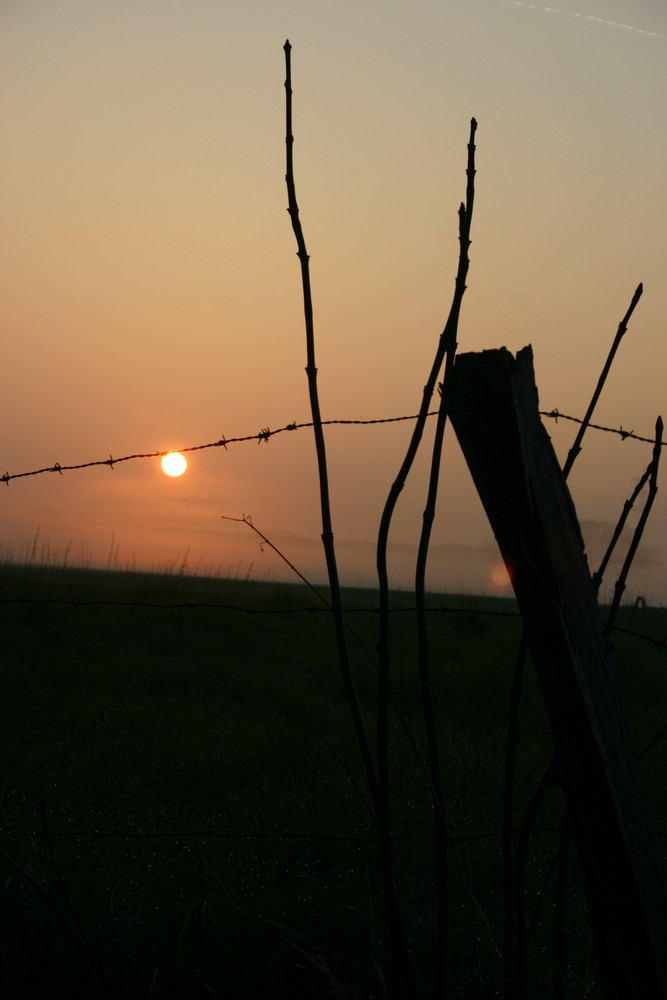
[
  {"x": 174, "y": 464},
  {"x": 500, "y": 576}
]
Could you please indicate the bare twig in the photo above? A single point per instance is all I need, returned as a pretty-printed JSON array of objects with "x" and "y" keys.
[
  {"x": 622, "y": 328},
  {"x": 247, "y": 519},
  {"x": 618, "y": 530},
  {"x": 639, "y": 530},
  {"x": 449, "y": 339},
  {"x": 320, "y": 447},
  {"x": 402, "y": 972},
  {"x": 446, "y": 343}
]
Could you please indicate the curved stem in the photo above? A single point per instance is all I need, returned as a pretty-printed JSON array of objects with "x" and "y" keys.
[
  {"x": 639, "y": 530},
  {"x": 446, "y": 350}
]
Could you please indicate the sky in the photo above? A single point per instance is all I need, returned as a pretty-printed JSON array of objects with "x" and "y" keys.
[{"x": 150, "y": 294}]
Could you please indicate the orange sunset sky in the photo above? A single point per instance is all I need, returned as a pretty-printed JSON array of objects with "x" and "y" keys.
[{"x": 150, "y": 293}]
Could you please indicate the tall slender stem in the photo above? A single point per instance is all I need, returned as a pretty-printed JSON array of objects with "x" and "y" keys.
[
  {"x": 620, "y": 333},
  {"x": 402, "y": 978},
  {"x": 446, "y": 347},
  {"x": 320, "y": 447},
  {"x": 618, "y": 530},
  {"x": 639, "y": 530},
  {"x": 450, "y": 335}
]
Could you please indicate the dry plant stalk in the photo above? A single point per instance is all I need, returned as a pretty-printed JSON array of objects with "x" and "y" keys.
[
  {"x": 446, "y": 349},
  {"x": 639, "y": 530},
  {"x": 402, "y": 976},
  {"x": 449, "y": 341},
  {"x": 311, "y": 371},
  {"x": 622, "y": 328},
  {"x": 618, "y": 530}
]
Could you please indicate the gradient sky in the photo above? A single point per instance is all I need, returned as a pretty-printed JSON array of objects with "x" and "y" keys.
[{"x": 150, "y": 292}]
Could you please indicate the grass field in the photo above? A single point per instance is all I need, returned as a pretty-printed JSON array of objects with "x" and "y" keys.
[{"x": 183, "y": 804}]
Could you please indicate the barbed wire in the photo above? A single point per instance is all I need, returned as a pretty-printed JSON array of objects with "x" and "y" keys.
[
  {"x": 243, "y": 609},
  {"x": 439, "y": 610},
  {"x": 254, "y": 835},
  {"x": 623, "y": 434},
  {"x": 263, "y": 436}
]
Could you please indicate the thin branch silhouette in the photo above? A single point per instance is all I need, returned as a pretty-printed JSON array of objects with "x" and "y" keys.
[
  {"x": 449, "y": 338},
  {"x": 639, "y": 530},
  {"x": 320, "y": 446},
  {"x": 402, "y": 976},
  {"x": 620, "y": 333},
  {"x": 618, "y": 530}
]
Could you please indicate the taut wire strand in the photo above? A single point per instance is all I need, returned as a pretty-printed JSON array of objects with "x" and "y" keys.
[{"x": 265, "y": 433}]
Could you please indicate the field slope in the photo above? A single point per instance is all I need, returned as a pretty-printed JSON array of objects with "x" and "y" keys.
[{"x": 183, "y": 806}]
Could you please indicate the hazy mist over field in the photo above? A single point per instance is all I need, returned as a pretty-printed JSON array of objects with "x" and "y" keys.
[{"x": 151, "y": 297}]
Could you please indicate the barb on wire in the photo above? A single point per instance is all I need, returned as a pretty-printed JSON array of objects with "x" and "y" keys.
[
  {"x": 265, "y": 433},
  {"x": 557, "y": 415},
  {"x": 440, "y": 610}
]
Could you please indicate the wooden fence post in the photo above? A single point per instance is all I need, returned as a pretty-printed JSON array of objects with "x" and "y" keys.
[{"x": 493, "y": 405}]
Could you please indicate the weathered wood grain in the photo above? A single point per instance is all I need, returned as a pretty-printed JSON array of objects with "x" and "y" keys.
[{"x": 493, "y": 405}]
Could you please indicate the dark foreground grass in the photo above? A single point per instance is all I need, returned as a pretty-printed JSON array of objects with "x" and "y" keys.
[{"x": 183, "y": 804}]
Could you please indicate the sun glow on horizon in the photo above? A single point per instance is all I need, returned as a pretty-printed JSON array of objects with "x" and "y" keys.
[
  {"x": 500, "y": 576},
  {"x": 174, "y": 464}
]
